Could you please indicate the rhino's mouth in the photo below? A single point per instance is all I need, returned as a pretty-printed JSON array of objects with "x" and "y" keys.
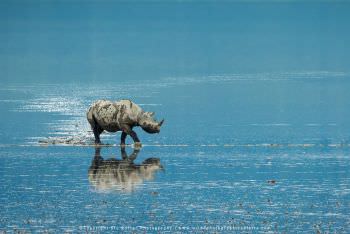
[{"x": 150, "y": 128}]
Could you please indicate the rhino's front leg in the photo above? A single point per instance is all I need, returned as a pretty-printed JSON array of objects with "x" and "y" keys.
[
  {"x": 130, "y": 132},
  {"x": 134, "y": 136}
]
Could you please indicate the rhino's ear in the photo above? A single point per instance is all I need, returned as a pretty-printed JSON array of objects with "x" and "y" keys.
[{"x": 150, "y": 114}]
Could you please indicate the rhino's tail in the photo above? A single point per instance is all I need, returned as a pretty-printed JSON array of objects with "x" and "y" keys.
[{"x": 91, "y": 118}]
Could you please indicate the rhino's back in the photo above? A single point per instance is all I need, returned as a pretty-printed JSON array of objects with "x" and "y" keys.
[
  {"x": 130, "y": 109},
  {"x": 110, "y": 116},
  {"x": 105, "y": 113}
]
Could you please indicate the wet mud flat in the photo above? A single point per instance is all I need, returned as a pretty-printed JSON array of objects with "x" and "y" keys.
[{"x": 168, "y": 189}]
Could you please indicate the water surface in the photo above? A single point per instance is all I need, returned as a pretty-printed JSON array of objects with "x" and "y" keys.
[{"x": 261, "y": 152}]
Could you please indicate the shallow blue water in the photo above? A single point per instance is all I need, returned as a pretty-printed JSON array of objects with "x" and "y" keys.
[
  {"x": 255, "y": 97},
  {"x": 200, "y": 187},
  {"x": 261, "y": 152},
  {"x": 236, "y": 109}
]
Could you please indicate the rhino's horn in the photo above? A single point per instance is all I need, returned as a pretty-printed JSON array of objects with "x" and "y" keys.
[{"x": 161, "y": 122}]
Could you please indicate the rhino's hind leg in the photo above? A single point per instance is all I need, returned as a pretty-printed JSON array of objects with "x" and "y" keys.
[
  {"x": 96, "y": 129},
  {"x": 97, "y": 132},
  {"x": 122, "y": 138}
]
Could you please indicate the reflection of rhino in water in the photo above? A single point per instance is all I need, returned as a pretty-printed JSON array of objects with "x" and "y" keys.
[{"x": 121, "y": 175}]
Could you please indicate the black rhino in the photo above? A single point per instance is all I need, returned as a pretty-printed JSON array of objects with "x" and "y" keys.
[{"x": 122, "y": 116}]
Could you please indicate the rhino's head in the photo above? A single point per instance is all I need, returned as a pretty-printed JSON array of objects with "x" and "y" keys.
[{"x": 148, "y": 123}]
